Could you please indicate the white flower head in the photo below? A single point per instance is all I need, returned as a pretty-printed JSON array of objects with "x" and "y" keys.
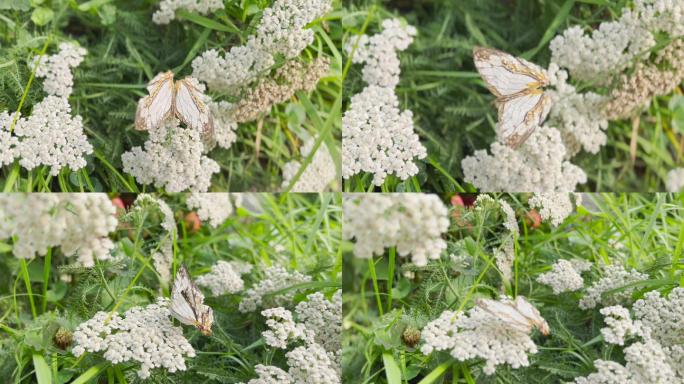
[
  {"x": 56, "y": 69},
  {"x": 143, "y": 334},
  {"x": 614, "y": 276},
  {"x": 554, "y": 207},
  {"x": 538, "y": 165},
  {"x": 167, "y": 8},
  {"x": 478, "y": 335},
  {"x": 379, "y": 138},
  {"x": 413, "y": 223},
  {"x": 172, "y": 158},
  {"x": 212, "y": 207},
  {"x": 79, "y": 223},
  {"x": 225, "y": 277},
  {"x": 565, "y": 276}
]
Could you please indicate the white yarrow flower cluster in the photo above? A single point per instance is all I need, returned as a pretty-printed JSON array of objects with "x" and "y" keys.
[
  {"x": 378, "y": 53},
  {"x": 172, "y": 158},
  {"x": 659, "y": 356},
  {"x": 167, "y": 8},
  {"x": 282, "y": 27},
  {"x": 538, "y": 165},
  {"x": 212, "y": 207},
  {"x": 478, "y": 335},
  {"x": 614, "y": 276},
  {"x": 51, "y": 136},
  {"x": 565, "y": 276},
  {"x": 675, "y": 180},
  {"x": 225, "y": 277},
  {"x": 78, "y": 223},
  {"x": 56, "y": 69},
  {"x": 554, "y": 207},
  {"x": 283, "y": 329},
  {"x": 412, "y": 222},
  {"x": 162, "y": 259},
  {"x": 318, "y": 176},
  {"x": 143, "y": 334},
  {"x": 275, "y": 278},
  {"x": 318, "y": 326},
  {"x": 324, "y": 318},
  {"x": 578, "y": 116},
  {"x": 224, "y": 124},
  {"x": 663, "y": 316},
  {"x": 281, "y": 30},
  {"x": 511, "y": 222},
  {"x": 505, "y": 258},
  {"x": 376, "y": 136},
  {"x": 619, "y": 325},
  {"x": 615, "y": 45}
]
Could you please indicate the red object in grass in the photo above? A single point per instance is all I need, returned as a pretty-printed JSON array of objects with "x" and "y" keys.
[
  {"x": 118, "y": 203},
  {"x": 192, "y": 222},
  {"x": 457, "y": 201},
  {"x": 533, "y": 219}
]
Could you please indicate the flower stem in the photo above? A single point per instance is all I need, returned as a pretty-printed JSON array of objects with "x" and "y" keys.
[
  {"x": 24, "y": 272},
  {"x": 371, "y": 268},
  {"x": 46, "y": 276},
  {"x": 390, "y": 277}
]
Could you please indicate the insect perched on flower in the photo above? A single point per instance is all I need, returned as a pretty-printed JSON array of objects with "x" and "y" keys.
[
  {"x": 180, "y": 99},
  {"x": 187, "y": 303},
  {"x": 517, "y": 85},
  {"x": 517, "y": 314}
]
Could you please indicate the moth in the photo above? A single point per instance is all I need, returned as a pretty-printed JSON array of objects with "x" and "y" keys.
[
  {"x": 518, "y": 87},
  {"x": 168, "y": 98},
  {"x": 187, "y": 303},
  {"x": 517, "y": 314}
]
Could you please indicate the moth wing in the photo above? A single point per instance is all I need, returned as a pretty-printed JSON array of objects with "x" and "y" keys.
[
  {"x": 529, "y": 311},
  {"x": 180, "y": 308},
  {"x": 519, "y": 116},
  {"x": 190, "y": 109},
  {"x": 507, "y": 75},
  {"x": 507, "y": 314},
  {"x": 158, "y": 105}
]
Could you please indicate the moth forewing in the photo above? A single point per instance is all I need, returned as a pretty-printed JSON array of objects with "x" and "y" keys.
[
  {"x": 519, "y": 117},
  {"x": 530, "y": 312},
  {"x": 517, "y": 84},
  {"x": 187, "y": 303},
  {"x": 505, "y": 75},
  {"x": 158, "y": 105},
  {"x": 518, "y": 315},
  {"x": 189, "y": 107}
]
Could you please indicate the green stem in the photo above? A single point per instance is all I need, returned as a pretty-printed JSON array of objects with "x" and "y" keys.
[
  {"x": 24, "y": 271},
  {"x": 371, "y": 268},
  {"x": 123, "y": 295},
  {"x": 436, "y": 373},
  {"x": 46, "y": 276},
  {"x": 30, "y": 81},
  {"x": 390, "y": 277}
]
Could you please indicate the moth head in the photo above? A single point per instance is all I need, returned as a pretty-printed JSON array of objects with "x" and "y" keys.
[
  {"x": 204, "y": 328},
  {"x": 206, "y": 320}
]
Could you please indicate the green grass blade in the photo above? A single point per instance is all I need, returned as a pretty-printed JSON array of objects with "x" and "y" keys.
[
  {"x": 43, "y": 374},
  {"x": 392, "y": 370},
  {"x": 436, "y": 373},
  {"x": 90, "y": 374}
]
